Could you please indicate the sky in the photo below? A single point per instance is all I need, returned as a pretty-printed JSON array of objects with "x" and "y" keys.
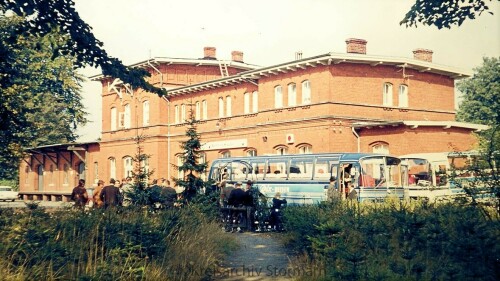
[{"x": 270, "y": 32}]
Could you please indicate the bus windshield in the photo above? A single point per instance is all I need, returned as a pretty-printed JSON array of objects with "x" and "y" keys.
[{"x": 380, "y": 171}]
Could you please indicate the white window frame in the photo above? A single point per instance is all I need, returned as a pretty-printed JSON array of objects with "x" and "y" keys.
[
  {"x": 278, "y": 96},
  {"x": 145, "y": 113},
  {"x": 305, "y": 149},
  {"x": 251, "y": 152},
  {"x": 221, "y": 107},
  {"x": 403, "y": 95},
  {"x": 205, "y": 109},
  {"x": 387, "y": 94},
  {"x": 197, "y": 115},
  {"x": 176, "y": 115},
  {"x": 114, "y": 118},
  {"x": 380, "y": 148},
  {"x": 180, "y": 174},
  {"x": 183, "y": 113},
  {"x": 255, "y": 102},
  {"x": 306, "y": 92},
  {"x": 292, "y": 94},
  {"x": 112, "y": 168},
  {"x": 126, "y": 116},
  {"x": 128, "y": 166},
  {"x": 229, "y": 106},
  {"x": 246, "y": 103},
  {"x": 282, "y": 150}
]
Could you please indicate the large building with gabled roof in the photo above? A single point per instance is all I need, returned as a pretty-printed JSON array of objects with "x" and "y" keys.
[{"x": 334, "y": 102}]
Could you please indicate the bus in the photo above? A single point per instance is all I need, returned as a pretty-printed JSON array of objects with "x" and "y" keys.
[{"x": 304, "y": 178}]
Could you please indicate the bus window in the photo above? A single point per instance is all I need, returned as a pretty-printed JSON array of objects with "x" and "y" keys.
[
  {"x": 325, "y": 168},
  {"x": 394, "y": 172},
  {"x": 276, "y": 169},
  {"x": 372, "y": 172},
  {"x": 238, "y": 171},
  {"x": 258, "y": 170},
  {"x": 301, "y": 168}
]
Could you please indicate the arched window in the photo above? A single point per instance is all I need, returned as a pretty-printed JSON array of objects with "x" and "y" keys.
[
  {"x": 403, "y": 96},
  {"x": 380, "y": 148},
  {"x": 183, "y": 113},
  {"x": 145, "y": 113},
  {"x": 221, "y": 107},
  {"x": 145, "y": 167},
  {"x": 176, "y": 114},
  {"x": 387, "y": 94},
  {"x": 114, "y": 118},
  {"x": 292, "y": 94},
  {"x": 305, "y": 149},
  {"x": 228, "y": 106},
  {"x": 128, "y": 166},
  {"x": 180, "y": 162},
  {"x": 246, "y": 103},
  {"x": 112, "y": 168},
  {"x": 197, "y": 115},
  {"x": 281, "y": 150},
  {"x": 306, "y": 92},
  {"x": 278, "y": 97},
  {"x": 255, "y": 102},
  {"x": 205, "y": 109},
  {"x": 251, "y": 152},
  {"x": 126, "y": 117}
]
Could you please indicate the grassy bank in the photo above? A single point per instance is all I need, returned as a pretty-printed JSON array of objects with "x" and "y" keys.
[{"x": 131, "y": 245}]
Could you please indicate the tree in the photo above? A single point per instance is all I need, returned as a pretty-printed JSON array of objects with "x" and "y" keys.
[
  {"x": 481, "y": 104},
  {"x": 41, "y": 17},
  {"x": 191, "y": 169},
  {"x": 40, "y": 100},
  {"x": 444, "y": 13}
]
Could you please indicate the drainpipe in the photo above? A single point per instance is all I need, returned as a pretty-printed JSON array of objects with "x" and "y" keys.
[
  {"x": 168, "y": 136},
  {"x": 358, "y": 139}
]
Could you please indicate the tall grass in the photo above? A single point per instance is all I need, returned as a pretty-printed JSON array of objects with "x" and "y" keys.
[
  {"x": 395, "y": 241},
  {"x": 108, "y": 245}
]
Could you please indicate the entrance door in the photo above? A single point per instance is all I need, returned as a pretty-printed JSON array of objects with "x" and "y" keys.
[{"x": 40, "y": 177}]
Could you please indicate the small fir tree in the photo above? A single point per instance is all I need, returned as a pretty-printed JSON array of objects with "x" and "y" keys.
[
  {"x": 139, "y": 194},
  {"x": 191, "y": 169}
]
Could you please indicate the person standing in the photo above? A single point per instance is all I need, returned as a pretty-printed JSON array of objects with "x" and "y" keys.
[
  {"x": 79, "y": 194},
  {"x": 97, "y": 194},
  {"x": 249, "y": 196},
  {"x": 332, "y": 192},
  {"x": 110, "y": 195}
]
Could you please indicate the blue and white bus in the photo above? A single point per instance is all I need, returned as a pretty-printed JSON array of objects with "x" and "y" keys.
[{"x": 304, "y": 178}]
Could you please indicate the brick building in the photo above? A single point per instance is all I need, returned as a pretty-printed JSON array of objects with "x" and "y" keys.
[{"x": 333, "y": 102}]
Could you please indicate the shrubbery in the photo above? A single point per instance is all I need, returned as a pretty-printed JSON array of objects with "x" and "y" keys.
[
  {"x": 134, "y": 244},
  {"x": 396, "y": 241}
]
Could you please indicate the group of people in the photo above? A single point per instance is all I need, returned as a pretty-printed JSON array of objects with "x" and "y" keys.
[{"x": 117, "y": 193}]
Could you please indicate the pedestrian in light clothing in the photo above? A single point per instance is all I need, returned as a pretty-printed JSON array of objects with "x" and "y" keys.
[
  {"x": 110, "y": 195},
  {"x": 79, "y": 194}
]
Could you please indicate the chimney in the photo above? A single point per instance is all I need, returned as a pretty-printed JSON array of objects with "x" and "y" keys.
[
  {"x": 237, "y": 56},
  {"x": 209, "y": 53},
  {"x": 357, "y": 46},
  {"x": 423, "y": 54}
]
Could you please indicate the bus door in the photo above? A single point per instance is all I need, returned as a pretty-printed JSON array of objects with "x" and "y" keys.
[{"x": 324, "y": 169}]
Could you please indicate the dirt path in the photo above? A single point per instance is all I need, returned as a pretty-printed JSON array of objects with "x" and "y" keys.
[{"x": 260, "y": 257}]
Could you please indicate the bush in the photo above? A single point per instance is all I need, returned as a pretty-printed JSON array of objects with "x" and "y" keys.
[{"x": 396, "y": 241}]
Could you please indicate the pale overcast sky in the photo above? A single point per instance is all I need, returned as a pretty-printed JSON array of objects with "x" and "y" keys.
[{"x": 269, "y": 32}]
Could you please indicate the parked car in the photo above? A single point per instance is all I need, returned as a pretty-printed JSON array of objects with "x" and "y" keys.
[{"x": 6, "y": 193}]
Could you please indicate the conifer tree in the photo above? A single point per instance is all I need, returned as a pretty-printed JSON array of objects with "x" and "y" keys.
[{"x": 191, "y": 169}]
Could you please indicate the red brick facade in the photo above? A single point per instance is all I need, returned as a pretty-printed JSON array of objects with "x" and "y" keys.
[{"x": 345, "y": 100}]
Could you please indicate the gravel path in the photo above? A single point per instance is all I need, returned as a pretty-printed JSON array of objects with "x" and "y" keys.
[{"x": 260, "y": 257}]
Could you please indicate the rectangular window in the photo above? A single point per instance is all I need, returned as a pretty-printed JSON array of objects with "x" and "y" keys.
[
  {"x": 276, "y": 169},
  {"x": 306, "y": 92},
  {"x": 176, "y": 116},
  {"x": 205, "y": 110},
  {"x": 278, "y": 97},
  {"x": 114, "y": 118},
  {"x": 128, "y": 166},
  {"x": 121, "y": 120},
  {"x": 246, "y": 103},
  {"x": 112, "y": 168},
  {"x": 301, "y": 168},
  {"x": 197, "y": 111},
  {"x": 255, "y": 102},
  {"x": 183, "y": 113},
  {"x": 228, "y": 106},
  {"x": 387, "y": 94},
  {"x": 96, "y": 171},
  {"x": 145, "y": 113},
  {"x": 292, "y": 94}
]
